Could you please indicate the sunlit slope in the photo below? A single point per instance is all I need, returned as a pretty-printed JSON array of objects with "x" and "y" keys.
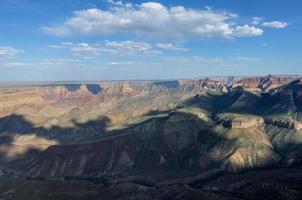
[{"x": 148, "y": 129}]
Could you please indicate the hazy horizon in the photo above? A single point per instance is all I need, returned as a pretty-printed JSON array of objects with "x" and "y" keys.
[{"x": 28, "y": 82}]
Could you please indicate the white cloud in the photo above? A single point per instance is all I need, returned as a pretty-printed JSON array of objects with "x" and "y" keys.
[
  {"x": 127, "y": 47},
  {"x": 275, "y": 24},
  {"x": 89, "y": 51},
  {"x": 116, "y": 3},
  {"x": 16, "y": 64},
  {"x": 257, "y": 20},
  {"x": 79, "y": 49},
  {"x": 217, "y": 62},
  {"x": 153, "y": 19},
  {"x": 130, "y": 47},
  {"x": 170, "y": 46},
  {"x": 84, "y": 48},
  {"x": 59, "y": 62},
  {"x": 121, "y": 63},
  {"x": 246, "y": 30},
  {"x": 244, "y": 58},
  {"x": 152, "y": 53},
  {"x": 9, "y": 51}
]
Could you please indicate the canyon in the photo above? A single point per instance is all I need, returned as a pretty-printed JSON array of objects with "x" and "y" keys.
[{"x": 210, "y": 138}]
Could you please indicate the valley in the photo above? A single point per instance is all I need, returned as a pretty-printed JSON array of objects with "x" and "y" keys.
[{"x": 211, "y": 138}]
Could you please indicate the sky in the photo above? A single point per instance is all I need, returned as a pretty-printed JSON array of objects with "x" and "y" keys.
[{"x": 91, "y": 40}]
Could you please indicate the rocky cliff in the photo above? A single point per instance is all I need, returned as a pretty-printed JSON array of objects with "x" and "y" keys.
[{"x": 153, "y": 136}]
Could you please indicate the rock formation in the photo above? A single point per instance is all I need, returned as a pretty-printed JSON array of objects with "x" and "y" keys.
[{"x": 184, "y": 139}]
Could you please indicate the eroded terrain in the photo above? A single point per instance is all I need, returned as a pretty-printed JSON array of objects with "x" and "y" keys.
[{"x": 217, "y": 138}]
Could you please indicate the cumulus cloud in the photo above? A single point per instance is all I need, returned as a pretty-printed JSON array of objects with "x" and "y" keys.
[
  {"x": 154, "y": 19},
  {"x": 170, "y": 46},
  {"x": 246, "y": 30},
  {"x": 275, "y": 24},
  {"x": 9, "y": 51}
]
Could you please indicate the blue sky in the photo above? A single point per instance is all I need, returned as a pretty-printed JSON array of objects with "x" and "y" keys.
[{"x": 42, "y": 40}]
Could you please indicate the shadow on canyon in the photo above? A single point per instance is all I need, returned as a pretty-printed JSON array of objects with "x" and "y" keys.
[
  {"x": 178, "y": 140},
  {"x": 179, "y": 144},
  {"x": 14, "y": 126},
  {"x": 240, "y": 101},
  {"x": 184, "y": 143}
]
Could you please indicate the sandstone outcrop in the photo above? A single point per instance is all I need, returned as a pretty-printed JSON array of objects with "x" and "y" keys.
[
  {"x": 284, "y": 124},
  {"x": 240, "y": 123},
  {"x": 263, "y": 83}
]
